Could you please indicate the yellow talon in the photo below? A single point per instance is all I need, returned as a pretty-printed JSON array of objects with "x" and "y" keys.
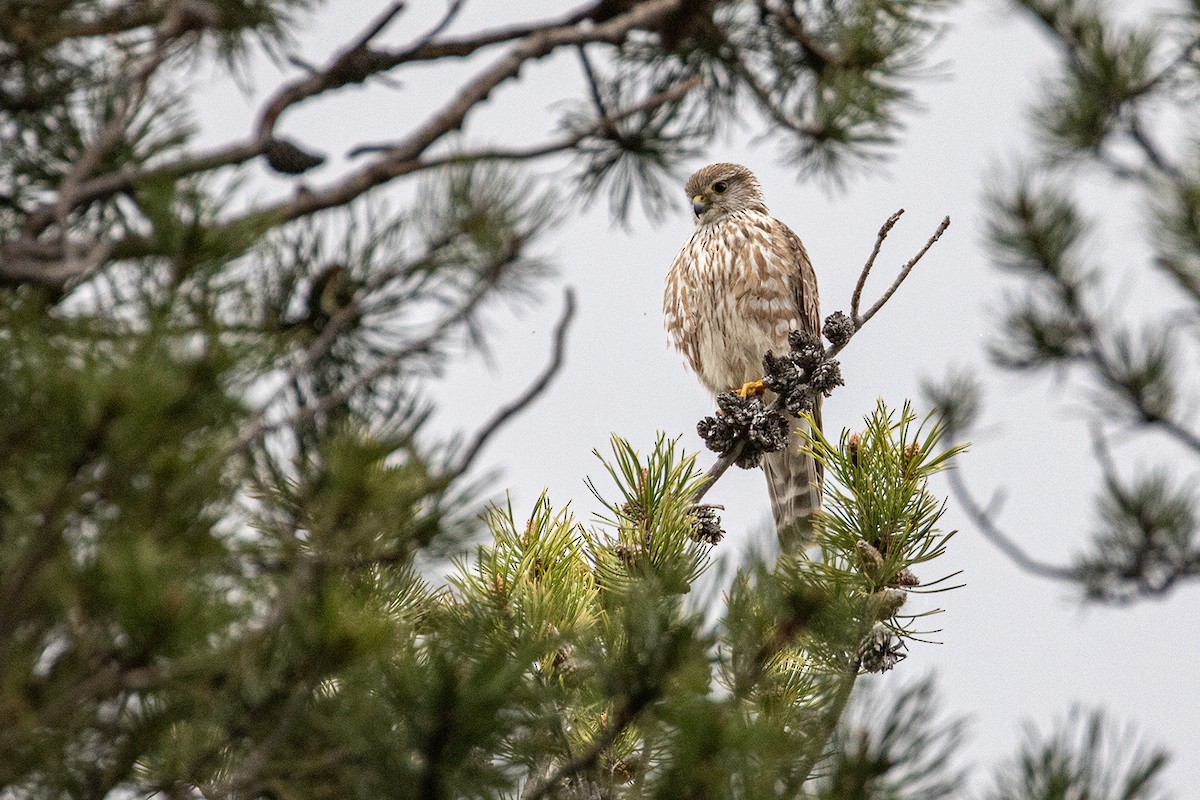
[{"x": 750, "y": 389}]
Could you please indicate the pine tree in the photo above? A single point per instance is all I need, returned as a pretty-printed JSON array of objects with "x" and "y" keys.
[{"x": 218, "y": 493}]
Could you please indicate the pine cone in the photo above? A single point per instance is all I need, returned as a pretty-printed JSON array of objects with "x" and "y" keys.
[
  {"x": 287, "y": 158},
  {"x": 838, "y": 328},
  {"x": 746, "y": 420}
]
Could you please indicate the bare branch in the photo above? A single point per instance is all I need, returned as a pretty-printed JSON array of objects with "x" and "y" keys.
[
  {"x": 353, "y": 64},
  {"x": 904, "y": 271},
  {"x": 358, "y": 62},
  {"x": 389, "y": 14},
  {"x": 856, "y": 298},
  {"x": 402, "y": 158},
  {"x": 399, "y": 159},
  {"x": 670, "y": 95},
  {"x": 438, "y": 29},
  {"x": 534, "y": 391},
  {"x": 991, "y": 531},
  {"x": 427, "y": 50}
]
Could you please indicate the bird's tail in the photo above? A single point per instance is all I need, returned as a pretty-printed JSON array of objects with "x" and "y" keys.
[{"x": 794, "y": 482}]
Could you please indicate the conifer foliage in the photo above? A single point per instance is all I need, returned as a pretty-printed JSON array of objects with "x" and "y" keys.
[
  {"x": 1118, "y": 109},
  {"x": 227, "y": 538}
]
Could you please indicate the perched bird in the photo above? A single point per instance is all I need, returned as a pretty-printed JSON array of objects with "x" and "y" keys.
[{"x": 736, "y": 289}]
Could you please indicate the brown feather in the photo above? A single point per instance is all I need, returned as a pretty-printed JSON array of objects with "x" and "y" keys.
[{"x": 737, "y": 288}]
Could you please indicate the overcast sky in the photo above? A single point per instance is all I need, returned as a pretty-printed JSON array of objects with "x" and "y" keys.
[{"x": 1014, "y": 648}]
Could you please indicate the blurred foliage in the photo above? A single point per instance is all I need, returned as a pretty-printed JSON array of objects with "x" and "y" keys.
[
  {"x": 893, "y": 745},
  {"x": 1086, "y": 756},
  {"x": 1117, "y": 111}
]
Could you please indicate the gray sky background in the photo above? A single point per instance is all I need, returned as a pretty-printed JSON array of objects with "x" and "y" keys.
[{"x": 1014, "y": 648}]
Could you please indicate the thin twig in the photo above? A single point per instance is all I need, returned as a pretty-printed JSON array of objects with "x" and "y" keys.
[
  {"x": 856, "y": 298},
  {"x": 437, "y": 30},
  {"x": 352, "y": 64},
  {"x": 589, "y": 72},
  {"x": 385, "y": 19},
  {"x": 1108, "y": 466},
  {"x": 535, "y": 389},
  {"x": 1000, "y": 539},
  {"x": 763, "y": 94},
  {"x": 426, "y": 50},
  {"x": 907, "y": 268},
  {"x": 1151, "y": 149}
]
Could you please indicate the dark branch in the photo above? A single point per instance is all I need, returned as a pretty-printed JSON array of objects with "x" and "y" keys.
[
  {"x": 59, "y": 264},
  {"x": 584, "y": 760},
  {"x": 856, "y": 298},
  {"x": 670, "y": 95},
  {"x": 354, "y": 64},
  {"x": 403, "y": 157}
]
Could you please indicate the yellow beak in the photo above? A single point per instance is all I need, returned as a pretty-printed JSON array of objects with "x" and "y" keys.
[{"x": 699, "y": 203}]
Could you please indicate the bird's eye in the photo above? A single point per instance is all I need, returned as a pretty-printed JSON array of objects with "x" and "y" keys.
[{"x": 720, "y": 186}]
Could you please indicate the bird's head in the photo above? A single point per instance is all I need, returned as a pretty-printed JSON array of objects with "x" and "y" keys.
[{"x": 722, "y": 189}]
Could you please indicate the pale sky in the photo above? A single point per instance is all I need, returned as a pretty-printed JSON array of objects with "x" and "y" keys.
[{"x": 1014, "y": 648}]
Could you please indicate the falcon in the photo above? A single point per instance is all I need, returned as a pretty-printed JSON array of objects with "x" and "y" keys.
[{"x": 736, "y": 289}]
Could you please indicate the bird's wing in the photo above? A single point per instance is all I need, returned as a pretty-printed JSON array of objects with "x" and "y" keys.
[
  {"x": 808, "y": 304},
  {"x": 677, "y": 316},
  {"x": 803, "y": 280}
]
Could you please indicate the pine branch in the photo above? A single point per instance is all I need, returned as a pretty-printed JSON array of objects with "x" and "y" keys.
[
  {"x": 542, "y": 789},
  {"x": 261, "y": 425},
  {"x": 56, "y": 265},
  {"x": 402, "y": 157}
]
